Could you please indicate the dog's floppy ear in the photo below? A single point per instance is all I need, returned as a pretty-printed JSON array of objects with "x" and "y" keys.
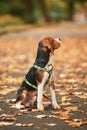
[
  {"x": 49, "y": 48},
  {"x": 46, "y": 42},
  {"x": 50, "y": 44}
]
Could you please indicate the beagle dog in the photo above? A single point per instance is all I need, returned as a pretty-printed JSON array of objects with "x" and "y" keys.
[{"x": 39, "y": 75}]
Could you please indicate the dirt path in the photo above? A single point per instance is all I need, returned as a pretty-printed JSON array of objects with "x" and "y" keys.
[{"x": 17, "y": 54}]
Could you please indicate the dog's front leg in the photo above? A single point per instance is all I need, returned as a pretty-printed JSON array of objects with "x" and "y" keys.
[
  {"x": 53, "y": 96},
  {"x": 40, "y": 92},
  {"x": 39, "y": 98}
]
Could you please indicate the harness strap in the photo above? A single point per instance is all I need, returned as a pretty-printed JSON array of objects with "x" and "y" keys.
[
  {"x": 39, "y": 68},
  {"x": 50, "y": 73},
  {"x": 28, "y": 83},
  {"x": 42, "y": 69}
]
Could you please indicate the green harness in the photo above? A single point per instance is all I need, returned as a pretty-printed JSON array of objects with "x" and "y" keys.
[{"x": 42, "y": 69}]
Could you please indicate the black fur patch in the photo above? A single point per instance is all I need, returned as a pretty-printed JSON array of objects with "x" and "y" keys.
[{"x": 42, "y": 59}]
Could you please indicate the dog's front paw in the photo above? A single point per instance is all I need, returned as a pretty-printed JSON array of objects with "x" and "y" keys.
[
  {"x": 56, "y": 106},
  {"x": 40, "y": 107},
  {"x": 19, "y": 106}
]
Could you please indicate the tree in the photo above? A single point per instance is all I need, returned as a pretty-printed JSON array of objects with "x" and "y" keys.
[
  {"x": 44, "y": 10},
  {"x": 29, "y": 9},
  {"x": 70, "y": 9}
]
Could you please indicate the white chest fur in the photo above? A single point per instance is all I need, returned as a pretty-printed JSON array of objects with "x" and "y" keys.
[
  {"x": 49, "y": 64},
  {"x": 40, "y": 86}
]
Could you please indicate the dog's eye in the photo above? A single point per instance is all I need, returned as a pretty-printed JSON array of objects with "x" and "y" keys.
[{"x": 49, "y": 51}]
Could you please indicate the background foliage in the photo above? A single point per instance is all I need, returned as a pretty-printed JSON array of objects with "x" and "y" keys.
[{"x": 37, "y": 11}]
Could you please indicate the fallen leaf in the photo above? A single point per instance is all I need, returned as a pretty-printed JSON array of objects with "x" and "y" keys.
[
  {"x": 6, "y": 115},
  {"x": 62, "y": 92},
  {"x": 2, "y": 100},
  {"x": 72, "y": 108},
  {"x": 24, "y": 111},
  {"x": 64, "y": 117},
  {"x": 41, "y": 116},
  {"x": 75, "y": 123},
  {"x": 34, "y": 110},
  {"x": 66, "y": 98},
  {"x": 84, "y": 96},
  {"x": 78, "y": 93},
  {"x": 66, "y": 103},
  {"x": 63, "y": 114},
  {"x": 6, "y": 123},
  {"x": 52, "y": 124},
  {"x": 77, "y": 120},
  {"x": 24, "y": 124},
  {"x": 71, "y": 80},
  {"x": 84, "y": 123},
  {"x": 8, "y": 118}
]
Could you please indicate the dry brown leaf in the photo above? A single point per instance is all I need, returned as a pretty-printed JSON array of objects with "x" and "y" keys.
[
  {"x": 8, "y": 118},
  {"x": 64, "y": 117},
  {"x": 34, "y": 110},
  {"x": 78, "y": 93},
  {"x": 66, "y": 98},
  {"x": 71, "y": 80},
  {"x": 66, "y": 103},
  {"x": 6, "y": 123},
  {"x": 52, "y": 124},
  {"x": 24, "y": 124},
  {"x": 2, "y": 100},
  {"x": 62, "y": 92},
  {"x": 71, "y": 108},
  {"x": 41, "y": 116},
  {"x": 24, "y": 111},
  {"x": 63, "y": 114},
  {"x": 75, "y": 123},
  {"x": 6, "y": 115},
  {"x": 52, "y": 116},
  {"x": 61, "y": 111},
  {"x": 7, "y": 90},
  {"x": 83, "y": 96},
  {"x": 84, "y": 123}
]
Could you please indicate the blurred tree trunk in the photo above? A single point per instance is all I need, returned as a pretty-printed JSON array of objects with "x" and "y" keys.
[
  {"x": 29, "y": 11},
  {"x": 70, "y": 4},
  {"x": 44, "y": 10}
]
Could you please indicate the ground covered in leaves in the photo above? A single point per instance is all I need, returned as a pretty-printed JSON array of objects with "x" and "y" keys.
[{"x": 17, "y": 54}]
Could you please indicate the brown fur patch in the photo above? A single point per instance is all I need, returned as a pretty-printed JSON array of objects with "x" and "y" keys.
[
  {"x": 28, "y": 96},
  {"x": 52, "y": 85},
  {"x": 50, "y": 43},
  {"x": 40, "y": 75}
]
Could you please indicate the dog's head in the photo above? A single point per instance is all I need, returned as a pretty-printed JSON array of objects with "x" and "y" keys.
[{"x": 50, "y": 44}]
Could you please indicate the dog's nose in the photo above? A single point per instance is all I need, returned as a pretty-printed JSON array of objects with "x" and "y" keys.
[{"x": 59, "y": 39}]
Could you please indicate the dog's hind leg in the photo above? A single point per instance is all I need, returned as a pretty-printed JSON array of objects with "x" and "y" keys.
[
  {"x": 40, "y": 92},
  {"x": 53, "y": 96}
]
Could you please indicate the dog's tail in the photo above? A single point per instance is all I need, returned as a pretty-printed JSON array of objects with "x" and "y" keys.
[
  {"x": 11, "y": 101},
  {"x": 18, "y": 98}
]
